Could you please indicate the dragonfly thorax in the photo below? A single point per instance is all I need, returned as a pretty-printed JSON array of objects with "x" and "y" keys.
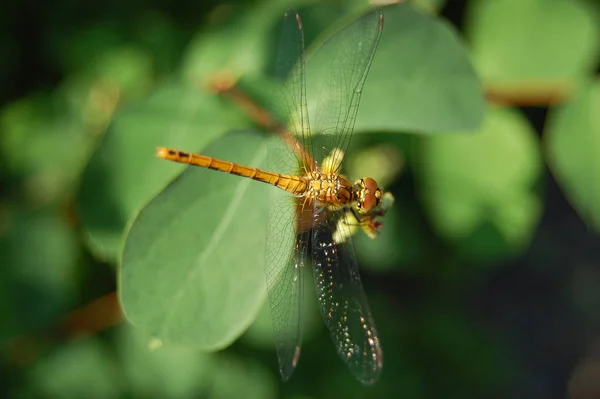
[
  {"x": 330, "y": 189},
  {"x": 335, "y": 190}
]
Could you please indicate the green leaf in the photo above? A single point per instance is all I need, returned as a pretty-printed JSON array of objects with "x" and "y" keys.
[
  {"x": 479, "y": 190},
  {"x": 520, "y": 43},
  {"x": 233, "y": 377},
  {"x": 430, "y": 5},
  {"x": 128, "y": 67},
  {"x": 260, "y": 332},
  {"x": 572, "y": 142},
  {"x": 238, "y": 46},
  {"x": 32, "y": 146},
  {"x": 192, "y": 270},
  {"x": 81, "y": 369},
  {"x": 178, "y": 372},
  {"x": 123, "y": 173},
  {"x": 421, "y": 79},
  {"x": 173, "y": 372}
]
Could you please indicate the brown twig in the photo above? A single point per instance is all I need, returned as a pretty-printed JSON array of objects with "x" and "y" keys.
[{"x": 528, "y": 94}]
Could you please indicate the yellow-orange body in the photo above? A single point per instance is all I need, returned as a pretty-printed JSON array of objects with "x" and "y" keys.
[{"x": 330, "y": 189}]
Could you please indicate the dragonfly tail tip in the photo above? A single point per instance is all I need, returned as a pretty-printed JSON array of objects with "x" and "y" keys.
[{"x": 161, "y": 152}]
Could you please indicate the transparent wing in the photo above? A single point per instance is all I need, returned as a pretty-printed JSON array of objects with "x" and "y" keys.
[
  {"x": 286, "y": 251},
  {"x": 336, "y": 76},
  {"x": 285, "y": 259},
  {"x": 289, "y": 231},
  {"x": 341, "y": 297},
  {"x": 289, "y": 102}
]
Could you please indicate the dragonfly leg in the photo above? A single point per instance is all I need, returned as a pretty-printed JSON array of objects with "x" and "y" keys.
[{"x": 368, "y": 222}]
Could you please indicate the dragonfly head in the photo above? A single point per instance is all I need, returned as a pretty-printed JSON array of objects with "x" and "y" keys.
[{"x": 369, "y": 195}]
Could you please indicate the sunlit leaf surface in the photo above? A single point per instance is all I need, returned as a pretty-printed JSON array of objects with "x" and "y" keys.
[
  {"x": 192, "y": 270},
  {"x": 421, "y": 79}
]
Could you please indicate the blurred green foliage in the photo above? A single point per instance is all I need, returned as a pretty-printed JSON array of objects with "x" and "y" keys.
[{"x": 88, "y": 95}]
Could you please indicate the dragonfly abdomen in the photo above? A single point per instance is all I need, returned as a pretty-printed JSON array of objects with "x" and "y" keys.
[{"x": 293, "y": 184}]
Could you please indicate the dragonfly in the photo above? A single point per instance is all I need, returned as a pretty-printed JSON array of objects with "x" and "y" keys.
[{"x": 317, "y": 210}]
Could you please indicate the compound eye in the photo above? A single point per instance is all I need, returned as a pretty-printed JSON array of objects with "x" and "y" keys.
[
  {"x": 369, "y": 202},
  {"x": 370, "y": 184}
]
